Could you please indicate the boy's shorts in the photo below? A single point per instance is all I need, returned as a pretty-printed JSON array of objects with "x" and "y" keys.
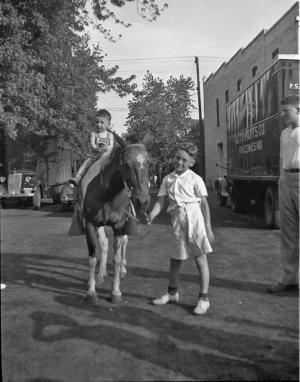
[{"x": 179, "y": 222}]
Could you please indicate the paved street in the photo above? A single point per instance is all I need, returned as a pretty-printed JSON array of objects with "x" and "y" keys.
[{"x": 49, "y": 333}]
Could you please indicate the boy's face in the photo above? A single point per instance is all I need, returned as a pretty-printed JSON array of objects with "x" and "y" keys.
[
  {"x": 290, "y": 115},
  {"x": 103, "y": 123},
  {"x": 183, "y": 161}
]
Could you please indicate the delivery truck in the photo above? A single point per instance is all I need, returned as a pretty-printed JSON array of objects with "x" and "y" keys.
[{"x": 253, "y": 139}]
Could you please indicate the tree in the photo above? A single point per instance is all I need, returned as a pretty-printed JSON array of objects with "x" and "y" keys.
[
  {"x": 164, "y": 111},
  {"x": 49, "y": 77}
]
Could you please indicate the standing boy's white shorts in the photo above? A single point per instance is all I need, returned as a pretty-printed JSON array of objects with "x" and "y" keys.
[{"x": 189, "y": 228}]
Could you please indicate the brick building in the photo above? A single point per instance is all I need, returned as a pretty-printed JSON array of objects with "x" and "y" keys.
[{"x": 234, "y": 76}]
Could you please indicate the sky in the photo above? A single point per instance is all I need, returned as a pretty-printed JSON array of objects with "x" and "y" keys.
[{"x": 213, "y": 30}]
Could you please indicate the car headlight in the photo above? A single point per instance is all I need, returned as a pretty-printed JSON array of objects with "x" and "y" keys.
[{"x": 27, "y": 179}]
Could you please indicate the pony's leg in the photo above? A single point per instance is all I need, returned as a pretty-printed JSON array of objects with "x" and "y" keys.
[
  {"x": 91, "y": 239},
  {"x": 116, "y": 295},
  {"x": 123, "y": 260},
  {"x": 103, "y": 242}
]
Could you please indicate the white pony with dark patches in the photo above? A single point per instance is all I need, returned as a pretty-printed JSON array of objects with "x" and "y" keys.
[{"x": 109, "y": 190}]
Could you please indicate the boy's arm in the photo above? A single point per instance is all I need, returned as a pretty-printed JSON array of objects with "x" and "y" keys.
[
  {"x": 157, "y": 208},
  {"x": 93, "y": 141},
  {"x": 206, "y": 215}
]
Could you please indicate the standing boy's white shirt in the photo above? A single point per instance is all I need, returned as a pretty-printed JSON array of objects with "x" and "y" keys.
[
  {"x": 182, "y": 188},
  {"x": 185, "y": 192}
]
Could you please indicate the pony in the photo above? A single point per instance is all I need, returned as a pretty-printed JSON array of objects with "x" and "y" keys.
[{"x": 113, "y": 187}]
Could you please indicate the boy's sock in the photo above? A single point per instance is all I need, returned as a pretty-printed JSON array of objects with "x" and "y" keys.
[
  {"x": 172, "y": 290},
  {"x": 203, "y": 295}
]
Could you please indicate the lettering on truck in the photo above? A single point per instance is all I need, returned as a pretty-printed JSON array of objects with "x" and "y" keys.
[{"x": 248, "y": 135}]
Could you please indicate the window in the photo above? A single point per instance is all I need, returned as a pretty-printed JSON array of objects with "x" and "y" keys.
[
  {"x": 227, "y": 96},
  {"x": 217, "y": 109},
  {"x": 239, "y": 85},
  {"x": 254, "y": 70},
  {"x": 275, "y": 52}
]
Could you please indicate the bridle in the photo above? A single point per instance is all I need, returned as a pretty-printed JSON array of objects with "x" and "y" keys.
[{"x": 131, "y": 213}]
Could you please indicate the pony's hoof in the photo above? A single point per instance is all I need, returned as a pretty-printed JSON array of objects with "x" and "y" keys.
[
  {"x": 91, "y": 299},
  {"x": 116, "y": 298}
]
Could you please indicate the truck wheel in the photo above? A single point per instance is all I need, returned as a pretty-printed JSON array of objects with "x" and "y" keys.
[
  {"x": 271, "y": 207},
  {"x": 37, "y": 199}
]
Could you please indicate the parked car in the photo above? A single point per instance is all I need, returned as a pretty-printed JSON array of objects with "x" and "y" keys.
[
  {"x": 21, "y": 186},
  {"x": 67, "y": 196}
]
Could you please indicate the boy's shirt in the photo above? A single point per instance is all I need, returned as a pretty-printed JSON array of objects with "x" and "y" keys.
[
  {"x": 290, "y": 148},
  {"x": 184, "y": 188},
  {"x": 104, "y": 138}
]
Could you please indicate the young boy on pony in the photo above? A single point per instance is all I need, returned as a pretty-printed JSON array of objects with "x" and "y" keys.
[
  {"x": 101, "y": 141},
  {"x": 190, "y": 219}
]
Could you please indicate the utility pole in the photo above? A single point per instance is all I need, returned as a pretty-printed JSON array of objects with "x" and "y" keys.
[{"x": 202, "y": 146}]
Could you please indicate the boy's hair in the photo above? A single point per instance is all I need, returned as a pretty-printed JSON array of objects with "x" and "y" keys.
[
  {"x": 189, "y": 147},
  {"x": 103, "y": 113},
  {"x": 291, "y": 100}
]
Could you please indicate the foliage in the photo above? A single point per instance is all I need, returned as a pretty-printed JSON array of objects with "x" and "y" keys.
[
  {"x": 49, "y": 76},
  {"x": 163, "y": 110}
]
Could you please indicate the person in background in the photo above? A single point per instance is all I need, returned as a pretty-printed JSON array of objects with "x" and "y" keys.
[
  {"x": 101, "y": 141},
  {"x": 190, "y": 219},
  {"x": 289, "y": 195}
]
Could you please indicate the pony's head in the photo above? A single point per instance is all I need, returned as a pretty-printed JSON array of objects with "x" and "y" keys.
[{"x": 135, "y": 171}]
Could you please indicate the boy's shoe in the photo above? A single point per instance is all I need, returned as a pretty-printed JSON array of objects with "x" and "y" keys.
[
  {"x": 202, "y": 306},
  {"x": 166, "y": 298},
  {"x": 75, "y": 181}
]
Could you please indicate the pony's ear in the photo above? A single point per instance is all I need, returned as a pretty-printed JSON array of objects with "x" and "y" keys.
[{"x": 118, "y": 139}]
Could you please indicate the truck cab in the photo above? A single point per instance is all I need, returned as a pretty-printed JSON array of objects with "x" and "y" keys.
[{"x": 21, "y": 183}]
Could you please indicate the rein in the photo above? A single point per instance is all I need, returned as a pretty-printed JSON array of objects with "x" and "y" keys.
[{"x": 132, "y": 214}]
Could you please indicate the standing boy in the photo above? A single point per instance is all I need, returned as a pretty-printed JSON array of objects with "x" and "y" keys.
[{"x": 190, "y": 219}]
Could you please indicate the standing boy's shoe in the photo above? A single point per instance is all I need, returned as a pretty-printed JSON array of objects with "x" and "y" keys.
[
  {"x": 202, "y": 306},
  {"x": 166, "y": 298},
  {"x": 278, "y": 288}
]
